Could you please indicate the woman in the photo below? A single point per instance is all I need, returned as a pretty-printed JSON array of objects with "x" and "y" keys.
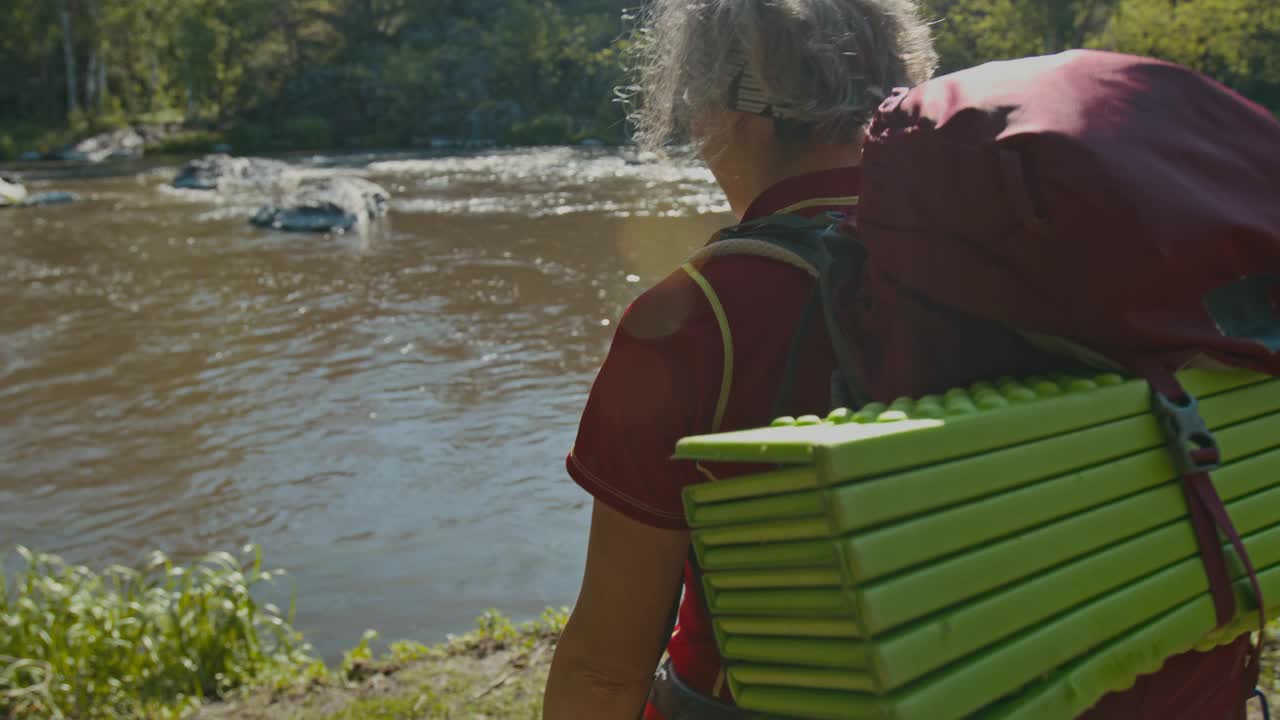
[{"x": 774, "y": 95}]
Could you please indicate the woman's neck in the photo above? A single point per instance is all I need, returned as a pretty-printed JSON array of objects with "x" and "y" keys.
[{"x": 748, "y": 175}]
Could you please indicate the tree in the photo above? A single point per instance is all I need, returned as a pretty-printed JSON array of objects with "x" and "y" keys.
[
  {"x": 971, "y": 32},
  {"x": 69, "y": 56},
  {"x": 386, "y": 71},
  {"x": 1234, "y": 41},
  {"x": 31, "y": 62}
]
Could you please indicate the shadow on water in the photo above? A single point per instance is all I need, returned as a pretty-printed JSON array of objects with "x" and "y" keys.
[{"x": 387, "y": 412}]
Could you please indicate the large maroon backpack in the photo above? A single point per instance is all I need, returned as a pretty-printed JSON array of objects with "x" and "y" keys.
[
  {"x": 1121, "y": 208},
  {"x": 1121, "y": 211},
  {"x": 1124, "y": 203}
]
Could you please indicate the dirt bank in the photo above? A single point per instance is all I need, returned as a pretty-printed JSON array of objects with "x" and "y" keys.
[
  {"x": 497, "y": 671},
  {"x": 482, "y": 675}
]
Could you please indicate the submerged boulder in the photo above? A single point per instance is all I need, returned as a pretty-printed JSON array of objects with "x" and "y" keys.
[
  {"x": 12, "y": 192},
  {"x": 339, "y": 203},
  {"x": 220, "y": 171},
  {"x": 644, "y": 157},
  {"x": 52, "y": 197},
  {"x": 117, "y": 144}
]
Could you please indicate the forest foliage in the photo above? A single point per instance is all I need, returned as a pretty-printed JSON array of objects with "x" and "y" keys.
[{"x": 280, "y": 74}]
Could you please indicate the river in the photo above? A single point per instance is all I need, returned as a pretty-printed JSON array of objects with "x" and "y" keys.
[{"x": 385, "y": 413}]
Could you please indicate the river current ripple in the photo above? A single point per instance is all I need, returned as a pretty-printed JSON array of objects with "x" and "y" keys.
[{"x": 386, "y": 413}]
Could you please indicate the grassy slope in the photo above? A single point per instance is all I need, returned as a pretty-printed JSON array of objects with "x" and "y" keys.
[
  {"x": 498, "y": 671},
  {"x": 505, "y": 683}
]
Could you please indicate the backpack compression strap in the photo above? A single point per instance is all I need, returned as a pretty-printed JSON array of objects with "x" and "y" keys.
[{"x": 1195, "y": 454}]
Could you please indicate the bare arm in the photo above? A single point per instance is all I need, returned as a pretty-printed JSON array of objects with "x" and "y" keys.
[{"x": 604, "y": 663}]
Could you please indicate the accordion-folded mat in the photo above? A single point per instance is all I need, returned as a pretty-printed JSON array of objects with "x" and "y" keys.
[{"x": 1014, "y": 549}]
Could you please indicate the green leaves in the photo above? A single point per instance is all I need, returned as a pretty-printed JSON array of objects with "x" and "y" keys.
[
  {"x": 280, "y": 74},
  {"x": 75, "y": 643},
  {"x": 1235, "y": 41},
  {"x": 377, "y": 72}
]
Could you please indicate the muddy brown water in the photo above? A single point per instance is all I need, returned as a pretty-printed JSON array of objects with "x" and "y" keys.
[{"x": 385, "y": 413}]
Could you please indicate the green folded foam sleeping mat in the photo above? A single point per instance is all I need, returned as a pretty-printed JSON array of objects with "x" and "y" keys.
[{"x": 1011, "y": 549}]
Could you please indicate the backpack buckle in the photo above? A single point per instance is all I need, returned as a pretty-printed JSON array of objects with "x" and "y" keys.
[{"x": 1193, "y": 447}]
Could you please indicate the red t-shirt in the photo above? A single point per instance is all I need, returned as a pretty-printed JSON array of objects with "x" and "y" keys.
[{"x": 673, "y": 372}]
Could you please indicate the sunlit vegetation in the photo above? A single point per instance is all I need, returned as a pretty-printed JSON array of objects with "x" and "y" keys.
[
  {"x": 128, "y": 641},
  {"x": 1234, "y": 41},
  {"x": 267, "y": 75},
  {"x": 167, "y": 641},
  {"x": 294, "y": 74}
]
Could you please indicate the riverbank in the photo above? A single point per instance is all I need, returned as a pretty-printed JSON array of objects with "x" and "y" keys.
[
  {"x": 473, "y": 676},
  {"x": 132, "y": 140},
  {"x": 496, "y": 671},
  {"x": 164, "y": 641},
  {"x": 476, "y": 676}
]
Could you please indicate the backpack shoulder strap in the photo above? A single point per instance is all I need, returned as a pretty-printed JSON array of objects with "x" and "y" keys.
[
  {"x": 790, "y": 239},
  {"x": 808, "y": 245},
  {"x": 761, "y": 247},
  {"x": 726, "y": 340},
  {"x": 825, "y": 249}
]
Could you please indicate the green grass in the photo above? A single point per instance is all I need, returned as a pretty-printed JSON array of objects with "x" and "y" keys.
[
  {"x": 193, "y": 142},
  {"x": 130, "y": 642},
  {"x": 23, "y": 138},
  {"x": 498, "y": 670},
  {"x": 168, "y": 641}
]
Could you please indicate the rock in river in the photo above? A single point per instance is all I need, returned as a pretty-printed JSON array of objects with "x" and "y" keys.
[
  {"x": 52, "y": 197},
  {"x": 114, "y": 145},
  {"x": 14, "y": 195},
  {"x": 339, "y": 203},
  {"x": 12, "y": 192},
  {"x": 215, "y": 172}
]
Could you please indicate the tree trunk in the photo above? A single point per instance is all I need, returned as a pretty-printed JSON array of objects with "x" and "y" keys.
[
  {"x": 1084, "y": 24},
  {"x": 97, "y": 73},
  {"x": 189, "y": 115},
  {"x": 69, "y": 57},
  {"x": 129, "y": 71},
  {"x": 91, "y": 80},
  {"x": 153, "y": 85},
  {"x": 102, "y": 80}
]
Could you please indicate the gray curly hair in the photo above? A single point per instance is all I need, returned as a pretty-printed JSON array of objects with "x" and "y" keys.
[{"x": 819, "y": 65}]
